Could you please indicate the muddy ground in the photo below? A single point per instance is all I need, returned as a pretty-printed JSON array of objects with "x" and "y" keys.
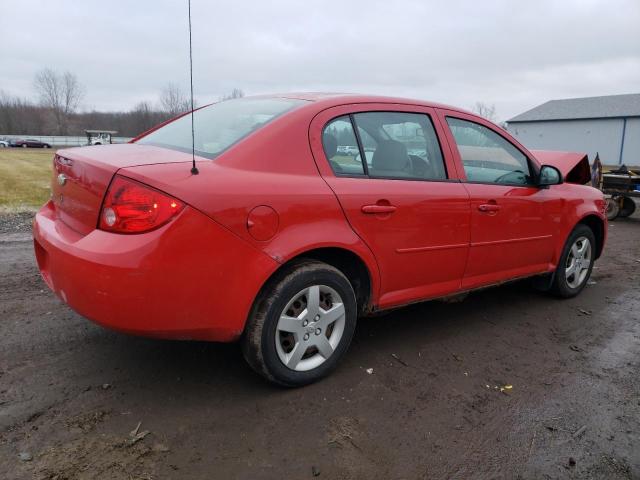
[{"x": 73, "y": 394}]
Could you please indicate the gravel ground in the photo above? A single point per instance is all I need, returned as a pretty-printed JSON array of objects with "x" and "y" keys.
[
  {"x": 80, "y": 402},
  {"x": 16, "y": 222}
]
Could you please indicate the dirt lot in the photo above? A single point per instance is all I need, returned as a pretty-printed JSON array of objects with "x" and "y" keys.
[{"x": 73, "y": 394}]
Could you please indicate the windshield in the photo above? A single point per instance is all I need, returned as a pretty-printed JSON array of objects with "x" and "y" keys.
[{"x": 220, "y": 125}]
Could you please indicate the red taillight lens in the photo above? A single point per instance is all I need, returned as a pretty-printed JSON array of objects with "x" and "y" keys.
[{"x": 131, "y": 207}]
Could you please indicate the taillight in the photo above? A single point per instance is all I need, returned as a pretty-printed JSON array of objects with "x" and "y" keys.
[{"x": 131, "y": 207}]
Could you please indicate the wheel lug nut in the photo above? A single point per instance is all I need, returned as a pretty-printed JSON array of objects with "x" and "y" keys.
[
  {"x": 305, "y": 323},
  {"x": 306, "y": 336},
  {"x": 318, "y": 331},
  {"x": 317, "y": 317}
]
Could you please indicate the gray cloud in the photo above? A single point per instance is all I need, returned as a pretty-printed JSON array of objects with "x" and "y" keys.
[{"x": 513, "y": 54}]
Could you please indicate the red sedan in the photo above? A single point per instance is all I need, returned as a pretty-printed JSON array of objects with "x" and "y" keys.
[{"x": 282, "y": 240}]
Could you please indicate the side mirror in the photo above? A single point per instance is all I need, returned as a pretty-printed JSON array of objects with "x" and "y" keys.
[{"x": 549, "y": 175}]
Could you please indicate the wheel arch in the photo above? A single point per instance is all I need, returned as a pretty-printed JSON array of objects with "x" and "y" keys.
[
  {"x": 352, "y": 265},
  {"x": 596, "y": 224}
]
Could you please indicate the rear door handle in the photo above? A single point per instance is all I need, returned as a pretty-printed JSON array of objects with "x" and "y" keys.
[
  {"x": 488, "y": 207},
  {"x": 378, "y": 209}
]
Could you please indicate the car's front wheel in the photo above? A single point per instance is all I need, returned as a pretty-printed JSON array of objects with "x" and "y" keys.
[
  {"x": 301, "y": 325},
  {"x": 576, "y": 263}
]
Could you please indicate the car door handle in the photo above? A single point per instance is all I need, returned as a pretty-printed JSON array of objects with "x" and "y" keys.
[
  {"x": 488, "y": 207},
  {"x": 378, "y": 208}
]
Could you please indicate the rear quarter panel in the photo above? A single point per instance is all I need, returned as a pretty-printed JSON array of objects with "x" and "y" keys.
[{"x": 273, "y": 167}]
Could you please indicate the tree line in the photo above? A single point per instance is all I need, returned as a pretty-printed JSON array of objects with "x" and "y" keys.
[{"x": 56, "y": 110}]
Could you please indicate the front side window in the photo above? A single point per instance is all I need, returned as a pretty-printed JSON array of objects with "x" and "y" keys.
[
  {"x": 487, "y": 157},
  {"x": 399, "y": 145},
  {"x": 220, "y": 125}
]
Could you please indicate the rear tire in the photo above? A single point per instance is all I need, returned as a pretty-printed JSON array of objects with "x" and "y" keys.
[
  {"x": 575, "y": 264},
  {"x": 628, "y": 207},
  {"x": 24, "y": 145},
  {"x": 613, "y": 208},
  {"x": 301, "y": 324}
]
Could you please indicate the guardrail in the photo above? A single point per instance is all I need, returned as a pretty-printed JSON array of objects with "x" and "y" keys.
[{"x": 61, "y": 141}]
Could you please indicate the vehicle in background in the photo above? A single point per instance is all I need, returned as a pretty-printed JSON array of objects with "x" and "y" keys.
[
  {"x": 347, "y": 150},
  {"x": 99, "y": 137},
  {"x": 352, "y": 151},
  {"x": 4, "y": 144},
  {"x": 280, "y": 243},
  {"x": 29, "y": 142}
]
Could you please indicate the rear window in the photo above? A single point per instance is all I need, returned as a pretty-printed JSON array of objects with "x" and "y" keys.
[{"x": 220, "y": 125}]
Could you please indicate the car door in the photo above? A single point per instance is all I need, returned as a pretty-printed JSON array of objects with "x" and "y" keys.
[
  {"x": 400, "y": 194},
  {"x": 513, "y": 221}
]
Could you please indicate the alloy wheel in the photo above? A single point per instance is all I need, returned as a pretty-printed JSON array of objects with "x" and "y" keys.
[{"x": 578, "y": 262}]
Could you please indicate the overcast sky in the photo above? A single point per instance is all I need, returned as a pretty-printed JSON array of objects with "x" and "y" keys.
[{"x": 514, "y": 54}]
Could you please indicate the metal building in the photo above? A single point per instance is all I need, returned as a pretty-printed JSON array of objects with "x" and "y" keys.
[{"x": 608, "y": 125}]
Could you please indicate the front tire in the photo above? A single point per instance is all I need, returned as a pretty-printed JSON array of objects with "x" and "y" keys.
[
  {"x": 301, "y": 324},
  {"x": 576, "y": 263}
]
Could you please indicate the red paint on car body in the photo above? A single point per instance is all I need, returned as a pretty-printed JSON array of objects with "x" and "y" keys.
[{"x": 272, "y": 197}]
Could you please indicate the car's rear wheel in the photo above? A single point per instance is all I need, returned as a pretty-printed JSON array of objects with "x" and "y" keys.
[
  {"x": 576, "y": 263},
  {"x": 613, "y": 208},
  {"x": 301, "y": 325},
  {"x": 628, "y": 207},
  {"x": 24, "y": 145}
]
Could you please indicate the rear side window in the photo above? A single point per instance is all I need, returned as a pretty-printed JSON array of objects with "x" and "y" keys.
[
  {"x": 391, "y": 145},
  {"x": 487, "y": 157},
  {"x": 399, "y": 145},
  {"x": 220, "y": 125},
  {"x": 341, "y": 147}
]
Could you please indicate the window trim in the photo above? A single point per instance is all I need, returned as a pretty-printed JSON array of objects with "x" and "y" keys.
[
  {"x": 363, "y": 157},
  {"x": 532, "y": 170},
  {"x": 365, "y": 167}
]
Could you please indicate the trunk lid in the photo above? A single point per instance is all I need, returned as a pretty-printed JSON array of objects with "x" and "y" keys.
[
  {"x": 82, "y": 175},
  {"x": 573, "y": 166}
]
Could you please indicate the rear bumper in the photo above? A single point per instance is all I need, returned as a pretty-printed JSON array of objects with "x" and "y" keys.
[{"x": 190, "y": 279}]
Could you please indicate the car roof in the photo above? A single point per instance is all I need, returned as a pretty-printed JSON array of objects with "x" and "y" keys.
[{"x": 329, "y": 99}]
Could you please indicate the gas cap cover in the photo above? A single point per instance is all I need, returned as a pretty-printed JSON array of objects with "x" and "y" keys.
[{"x": 262, "y": 222}]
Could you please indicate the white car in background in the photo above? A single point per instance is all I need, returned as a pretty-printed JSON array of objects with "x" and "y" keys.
[{"x": 4, "y": 144}]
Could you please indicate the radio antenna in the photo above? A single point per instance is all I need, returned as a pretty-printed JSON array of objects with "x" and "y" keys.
[{"x": 194, "y": 169}]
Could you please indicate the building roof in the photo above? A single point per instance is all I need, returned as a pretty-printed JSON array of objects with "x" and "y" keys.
[{"x": 610, "y": 106}]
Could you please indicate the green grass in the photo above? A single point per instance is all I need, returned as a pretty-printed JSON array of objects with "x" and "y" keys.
[{"x": 25, "y": 177}]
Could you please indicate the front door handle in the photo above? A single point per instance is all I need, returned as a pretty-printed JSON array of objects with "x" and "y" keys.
[
  {"x": 488, "y": 207},
  {"x": 378, "y": 209}
]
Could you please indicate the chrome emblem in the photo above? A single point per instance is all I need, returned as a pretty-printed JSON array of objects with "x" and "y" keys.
[{"x": 62, "y": 179}]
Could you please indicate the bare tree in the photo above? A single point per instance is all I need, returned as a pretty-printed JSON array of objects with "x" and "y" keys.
[
  {"x": 485, "y": 110},
  {"x": 143, "y": 117},
  {"x": 235, "y": 93},
  {"x": 173, "y": 100},
  {"x": 61, "y": 93}
]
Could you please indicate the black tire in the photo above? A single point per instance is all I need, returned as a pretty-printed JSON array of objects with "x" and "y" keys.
[
  {"x": 261, "y": 332},
  {"x": 613, "y": 209},
  {"x": 628, "y": 207},
  {"x": 560, "y": 286}
]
